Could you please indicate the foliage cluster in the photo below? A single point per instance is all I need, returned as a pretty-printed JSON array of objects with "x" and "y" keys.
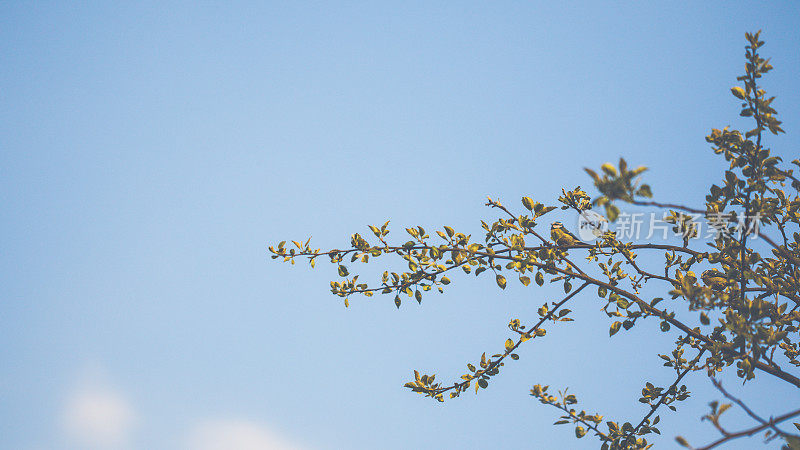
[{"x": 745, "y": 297}]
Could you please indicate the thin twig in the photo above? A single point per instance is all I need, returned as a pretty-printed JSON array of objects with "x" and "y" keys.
[{"x": 717, "y": 384}]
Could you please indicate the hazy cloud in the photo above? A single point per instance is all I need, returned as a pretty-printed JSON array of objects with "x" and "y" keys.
[
  {"x": 236, "y": 434},
  {"x": 97, "y": 416}
]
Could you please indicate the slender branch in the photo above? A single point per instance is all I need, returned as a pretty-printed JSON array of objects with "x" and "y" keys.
[
  {"x": 767, "y": 292},
  {"x": 783, "y": 251},
  {"x": 743, "y": 266},
  {"x": 751, "y": 431},
  {"x": 588, "y": 424},
  {"x": 646, "y": 307},
  {"x": 674, "y": 385},
  {"x": 668, "y": 205},
  {"x": 767, "y": 239},
  {"x": 717, "y": 384},
  {"x": 531, "y": 332}
]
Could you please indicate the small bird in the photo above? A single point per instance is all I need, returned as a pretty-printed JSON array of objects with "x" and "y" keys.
[
  {"x": 714, "y": 279},
  {"x": 561, "y": 236}
]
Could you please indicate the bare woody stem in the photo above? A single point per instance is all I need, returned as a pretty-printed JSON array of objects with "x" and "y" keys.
[
  {"x": 751, "y": 431},
  {"x": 717, "y": 384}
]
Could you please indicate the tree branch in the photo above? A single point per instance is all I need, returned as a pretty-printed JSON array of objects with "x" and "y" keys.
[
  {"x": 751, "y": 431},
  {"x": 717, "y": 384}
]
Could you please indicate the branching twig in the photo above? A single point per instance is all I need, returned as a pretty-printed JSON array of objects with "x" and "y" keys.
[
  {"x": 750, "y": 431},
  {"x": 717, "y": 384}
]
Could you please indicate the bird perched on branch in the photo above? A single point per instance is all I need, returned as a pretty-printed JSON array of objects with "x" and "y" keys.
[
  {"x": 714, "y": 279},
  {"x": 561, "y": 236}
]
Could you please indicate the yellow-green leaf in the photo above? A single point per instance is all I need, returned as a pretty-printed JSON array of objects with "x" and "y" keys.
[
  {"x": 501, "y": 281},
  {"x": 738, "y": 92},
  {"x": 527, "y": 202},
  {"x": 609, "y": 169}
]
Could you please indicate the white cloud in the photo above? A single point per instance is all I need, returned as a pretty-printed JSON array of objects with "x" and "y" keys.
[
  {"x": 97, "y": 416},
  {"x": 236, "y": 434}
]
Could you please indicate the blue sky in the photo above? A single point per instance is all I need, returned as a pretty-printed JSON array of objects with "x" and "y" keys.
[{"x": 149, "y": 152}]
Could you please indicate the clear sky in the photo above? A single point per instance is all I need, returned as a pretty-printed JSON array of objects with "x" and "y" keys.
[{"x": 149, "y": 152}]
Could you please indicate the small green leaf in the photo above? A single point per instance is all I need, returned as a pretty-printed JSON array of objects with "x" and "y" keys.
[
  {"x": 525, "y": 280},
  {"x": 612, "y": 212},
  {"x": 738, "y": 92},
  {"x": 509, "y": 345},
  {"x": 614, "y": 328},
  {"x": 527, "y": 202},
  {"x": 501, "y": 281},
  {"x": 609, "y": 169},
  {"x": 539, "y": 278}
]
